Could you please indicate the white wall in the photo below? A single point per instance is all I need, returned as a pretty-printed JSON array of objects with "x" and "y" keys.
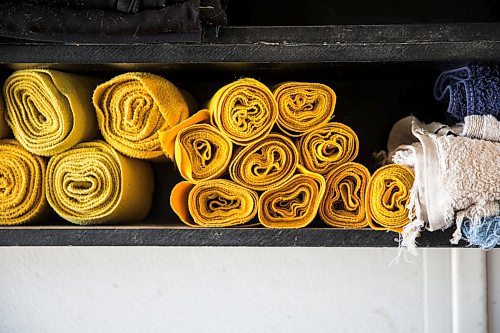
[{"x": 209, "y": 290}]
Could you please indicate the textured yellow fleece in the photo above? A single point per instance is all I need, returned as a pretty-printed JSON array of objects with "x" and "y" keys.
[
  {"x": 49, "y": 111},
  {"x": 22, "y": 192},
  {"x": 94, "y": 184}
]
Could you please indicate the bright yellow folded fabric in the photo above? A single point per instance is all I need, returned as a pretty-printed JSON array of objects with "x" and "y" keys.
[
  {"x": 202, "y": 152},
  {"x": 4, "y": 128},
  {"x": 388, "y": 194},
  {"x": 266, "y": 163},
  {"x": 133, "y": 107},
  {"x": 94, "y": 184},
  {"x": 295, "y": 203},
  {"x": 49, "y": 111},
  {"x": 303, "y": 106},
  {"x": 244, "y": 110},
  {"x": 22, "y": 192},
  {"x": 213, "y": 203},
  {"x": 167, "y": 137},
  {"x": 343, "y": 205},
  {"x": 326, "y": 147}
]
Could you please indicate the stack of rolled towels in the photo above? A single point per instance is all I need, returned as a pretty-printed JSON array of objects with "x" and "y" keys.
[
  {"x": 275, "y": 157},
  {"x": 83, "y": 149},
  {"x": 59, "y": 158},
  {"x": 456, "y": 165}
]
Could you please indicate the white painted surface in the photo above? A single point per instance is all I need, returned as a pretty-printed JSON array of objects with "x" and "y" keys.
[
  {"x": 493, "y": 264},
  {"x": 469, "y": 291},
  {"x": 209, "y": 290}
]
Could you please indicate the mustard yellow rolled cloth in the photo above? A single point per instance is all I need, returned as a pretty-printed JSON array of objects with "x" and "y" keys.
[
  {"x": 343, "y": 205},
  {"x": 244, "y": 110},
  {"x": 213, "y": 203},
  {"x": 49, "y": 111},
  {"x": 326, "y": 147},
  {"x": 295, "y": 203},
  {"x": 168, "y": 136},
  {"x": 22, "y": 189},
  {"x": 133, "y": 107},
  {"x": 94, "y": 184},
  {"x": 4, "y": 128},
  {"x": 388, "y": 194},
  {"x": 303, "y": 106},
  {"x": 266, "y": 163}
]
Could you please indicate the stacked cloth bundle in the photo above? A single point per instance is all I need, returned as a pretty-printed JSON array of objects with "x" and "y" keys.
[
  {"x": 457, "y": 178},
  {"x": 88, "y": 181},
  {"x": 238, "y": 164},
  {"x": 81, "y": 20}
]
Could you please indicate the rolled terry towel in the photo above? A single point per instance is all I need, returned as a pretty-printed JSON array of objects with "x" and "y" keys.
[
  {"x": 213, "y": 203},
  {"x": 49, "y": 111},
  {"x": 295, "y": 203},
  {"x": 472, "y": 90},
  {"x": 266, "y": 163},
  {"x": 303, "y": 106},
  {"x": 94, "y": 184},
  {"x": 323, "y": 149},
  {"x": 4, "y": 128},
  {"x": 455, "y": 178},
  {"x": 202, "y": 152},
  {"x": 22, "y": 189},
  {"x": 344, "y": 203},
  {"x": 484, "y": 233},
  {"x": 244, "y": 110},
  {"x": 387, "y": 197},
  {"x": 133, "y": 107}
]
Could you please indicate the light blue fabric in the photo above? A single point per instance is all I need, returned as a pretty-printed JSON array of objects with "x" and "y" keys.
[{"x": 485, "y": 235}]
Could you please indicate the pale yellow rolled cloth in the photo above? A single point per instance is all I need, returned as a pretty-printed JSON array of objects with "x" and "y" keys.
[
  {"x": 94, "y": 184},
  {"x": 49, "y": 111}
]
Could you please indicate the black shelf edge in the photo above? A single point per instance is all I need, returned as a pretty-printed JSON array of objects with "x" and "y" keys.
[
  {"x": 235, "y": 237},
  {"x": 350, "y": 43}
]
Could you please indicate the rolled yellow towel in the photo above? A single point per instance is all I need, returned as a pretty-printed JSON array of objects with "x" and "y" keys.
[
  {"x": 133, "y": 107},
  {"x": 244, "y": 110},
  {"x": 4, "y": 128},
  {"x": 213, "y": 203},
  {"x": 295, "y": 203},
  {"x": 49, "y": 111},
  {"x": 266, "y": 163},
  {"x": 94, "y": 184},
  {"x": 326, "y": 147},
  {"x": 168, "y": 136},
  {"x": 343, "y": 205},
  {"x": 388, "y": 194},
  {"x": 22, "y": 189},
  {"x": 303, "y": 106}
]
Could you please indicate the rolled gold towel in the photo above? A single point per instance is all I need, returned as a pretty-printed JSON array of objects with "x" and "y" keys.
[
  {"x": 49, "y": 111},
  {"x": 328, "y": 146},
  {"x": 4, "y": 128},
  {"x": 167, "y": 137},
  {"x": 266, "y": 163},
  {"x": 303, "y": 106},
  {"x": 22, "y": 189},
  {"x": 388, "y": 194},
  {"x": 295, "y": 203},
  {"x": 244, "y": 110},
  {"x": 133, "y": 107},
  {"x": 343, "y": 205},
  {"x": 213, "y": 203},
  {"x": 94, "y": 184}
]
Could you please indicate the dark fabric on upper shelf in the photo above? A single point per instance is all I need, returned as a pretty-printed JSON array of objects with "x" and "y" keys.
[
  {"x": 125, "y": 6},
  {"x": 22, "y": 19},
  {"x": 213, "y": 12}
]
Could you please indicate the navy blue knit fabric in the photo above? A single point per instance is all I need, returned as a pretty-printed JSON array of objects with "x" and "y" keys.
[{"x": 471, "y": 90}]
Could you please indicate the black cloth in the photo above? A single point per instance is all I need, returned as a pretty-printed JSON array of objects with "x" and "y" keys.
[
  {"x": 213, "y": 12},
  {"x": 19, "y": 19},
  {"x": 125, "y": 6}
]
